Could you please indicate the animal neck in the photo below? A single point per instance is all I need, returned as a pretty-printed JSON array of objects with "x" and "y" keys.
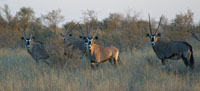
[
  {"x": 29, "y": 50},
  {"x": 154, "y": 47},
  {"x": 37, "y": 41},
  {"x": 160, "y": 43},
  {"x": 93, "y": 49}
]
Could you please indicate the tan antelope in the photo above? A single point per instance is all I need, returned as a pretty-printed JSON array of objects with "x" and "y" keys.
[
  {"x": 74, "y": 43},
  {"x": 97, "y": 53},
  {"x": 35, "y": 48},
  {"x": 170, "y": 49}
]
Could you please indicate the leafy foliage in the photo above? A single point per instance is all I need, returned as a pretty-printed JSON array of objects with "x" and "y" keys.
[{"x": 126, "y": 32}]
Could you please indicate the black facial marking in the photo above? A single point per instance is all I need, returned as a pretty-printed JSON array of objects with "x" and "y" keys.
[
  {"x": 89, "y": 42},
  {"x": 27, "y": 41},
  {"x": 22, "y": 38},
  {"x": 147, "y": 35},
  {"x": 152, "y": 38},
  {"x": 159, "y": 34},
  {"x": 33, "y": 37},
  {"x": 86, "y": 41},
  {"x": 96, "y": 37}
]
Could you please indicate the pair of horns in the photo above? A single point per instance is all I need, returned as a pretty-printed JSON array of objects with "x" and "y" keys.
[
  {"x": 88, "y": 29},
  {"x": 150, "y": 25},
  {"x": 68, "y": 28},
  {"x": 25, "y": 31}
]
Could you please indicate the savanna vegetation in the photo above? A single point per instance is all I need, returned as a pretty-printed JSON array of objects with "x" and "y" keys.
[{"x": 140, "y": 69}]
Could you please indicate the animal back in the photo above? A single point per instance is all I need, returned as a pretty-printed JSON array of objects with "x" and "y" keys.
[{"x": 39, "y": 51}]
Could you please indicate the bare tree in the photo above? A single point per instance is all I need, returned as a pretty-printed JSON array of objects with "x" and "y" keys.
[
  {"x": 7, "y": 13},
  {"x": 25, "y": 15},
  {"x": 183, "y": 22},
  {"x": 89, "y": 15},
  {"x": 53, "y": 18}
]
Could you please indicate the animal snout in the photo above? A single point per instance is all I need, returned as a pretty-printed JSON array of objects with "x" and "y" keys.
[
  {"x": 28, "y": 46},
  {"x": 65, "y": 53},
  {"x": 89, "y": 46},
  {"x": 64, "y": 41},
  {"x": 152, "y": 43},
  {"x": 85, "y": 44}
]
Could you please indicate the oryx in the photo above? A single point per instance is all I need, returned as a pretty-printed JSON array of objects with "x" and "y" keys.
[
  {"x": 97, "y": 53},
  {"x": 74, "y": 43},
  {"x": 170, "y": 49},
  {"x": 35, "y": 48}
]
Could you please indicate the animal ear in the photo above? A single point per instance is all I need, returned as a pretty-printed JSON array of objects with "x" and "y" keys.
[
  {"x": 81, "y": 37},
  {"x": 61, "y": 34},
  {"x": 33, "y": 37},
  {"x": 96, "y": 37},
  {"x": 147, "y": 35},
  {"x": 22, "y": 38},
  {"x": 70, "y": 35},
  {"x": 84, "y": 37},
  {"x": 159, "y": 34}
]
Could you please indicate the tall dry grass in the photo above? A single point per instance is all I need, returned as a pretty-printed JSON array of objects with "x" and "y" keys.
[{"x": 140, "y": 71}]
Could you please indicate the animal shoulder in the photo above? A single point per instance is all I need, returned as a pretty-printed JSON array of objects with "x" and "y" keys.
[
  {"x": 75, "y": 41},
  {"x": 164, "y": 40},
  {"x": 38, "y": 42}
]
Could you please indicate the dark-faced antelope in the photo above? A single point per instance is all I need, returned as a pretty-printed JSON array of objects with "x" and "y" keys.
[
  {"x": 74, "y": 43},
  {"x": 97, "y": 53},
  {"x": 35, "y": 49},
  {"x": 171, "y": 49}
]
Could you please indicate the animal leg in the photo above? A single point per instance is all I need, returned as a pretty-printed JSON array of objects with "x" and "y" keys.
[
  {"x": 185, "y": 61},
  {"x": 92, "y": 64},
  {"x": 188, "y": 59},
  {"x": 163, "y": 63},
  {"x": 114, "y": 60},
  {"x": 191, "y": 60},
  {"x": 97, "y": 64},
  {"x": 110, "y": 61},
  {"x": 37, "y": 61},
  {"x": 47, "y": 62},
  {"x": 119, "y": 60}
]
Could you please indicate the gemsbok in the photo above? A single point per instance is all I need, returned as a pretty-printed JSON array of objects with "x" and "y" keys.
[
  {"x": 97, "y": 53},
  {"x": 74, "y": 43},
  {"x": 35, "y": 48},
  {"x": 174, "y": 50}
]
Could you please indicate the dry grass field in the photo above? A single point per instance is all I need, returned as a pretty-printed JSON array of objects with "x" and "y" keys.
[{"x": 140, "y": 71}]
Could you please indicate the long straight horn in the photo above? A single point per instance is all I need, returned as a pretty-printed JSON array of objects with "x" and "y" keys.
[
  {"x": 81, "y": 30},
  {"x": 86, "y": 25},
  {"x": 68, "y": 26},
  {"x": 99, "y": 27},
  {"x": 31, "y": 31},
  {"x": 90, "y": 27},
  {"x": 150, "y": 24},
  {"x": 94, "y": 33},
  {"x": 158, "y": 25},
  {"x": 71, "y": 29},
  {"x": 24, "y": 31}
]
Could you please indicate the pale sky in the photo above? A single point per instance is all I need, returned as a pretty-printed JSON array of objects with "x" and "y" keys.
[{"x": 72, "y": 9}]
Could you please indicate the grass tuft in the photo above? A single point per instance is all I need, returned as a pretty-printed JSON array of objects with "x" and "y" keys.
[{"x": 140, "y": 71}]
